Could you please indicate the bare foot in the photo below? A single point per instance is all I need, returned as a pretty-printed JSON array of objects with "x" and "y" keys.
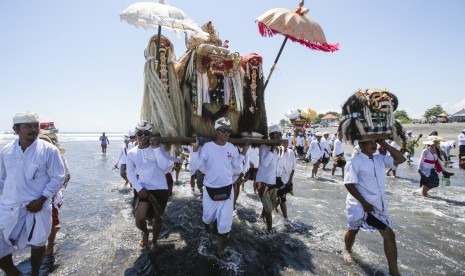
[
  {"x": 145, "y": 240},
  {"x": 347, "y": 256}
]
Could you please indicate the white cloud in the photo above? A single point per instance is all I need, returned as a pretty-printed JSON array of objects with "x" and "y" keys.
[{"x": 452, "y": 108}]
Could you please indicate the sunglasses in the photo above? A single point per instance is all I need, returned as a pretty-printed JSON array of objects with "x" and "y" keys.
[
  {"x": 225, "y": 130},
  {"x": 145, "y": 132}
]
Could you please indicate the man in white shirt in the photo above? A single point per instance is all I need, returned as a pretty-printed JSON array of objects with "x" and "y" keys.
[
  {"x": 285, "y": 172},
  {"x": 315, "y": 153},
  {"x": 299, "y": 145},
  {"x": 121, "y": 160},
  {"x": 366, "y": 203},
  {"x": 31, "y": 172},
  {"x": 338, "y": 154},
  {"x": 326, "y": 149},
  {"x": 146, "y": 166},
  {"x": 219, "y": 160},
  {"x": 266, "y": 175},
  {"x": 461, "y": 139},
  {"x": 253, "y": 159}
]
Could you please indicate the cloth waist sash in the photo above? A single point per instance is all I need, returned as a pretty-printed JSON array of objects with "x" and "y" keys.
[{"x": 437, "y": 166}]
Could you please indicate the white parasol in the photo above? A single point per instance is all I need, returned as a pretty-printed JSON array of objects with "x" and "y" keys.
[{"x": 151, "y": 15}]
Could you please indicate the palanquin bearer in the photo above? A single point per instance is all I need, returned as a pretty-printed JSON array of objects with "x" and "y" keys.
[
  {"x": 369, "y": 119},
  {"x": 219, "y": 160},
  {"x": 31, "y": 172}
]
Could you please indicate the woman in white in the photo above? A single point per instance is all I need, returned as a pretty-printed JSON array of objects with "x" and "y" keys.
[{"x": 430, "y": 165}]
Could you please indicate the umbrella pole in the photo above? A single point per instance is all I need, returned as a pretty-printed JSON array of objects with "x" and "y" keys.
[
  {"x": 275, "y": 61},
  {"x": 157, "y": 64}
]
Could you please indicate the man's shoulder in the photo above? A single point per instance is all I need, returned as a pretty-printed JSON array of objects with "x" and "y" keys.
[{"x": 8, "y": 147}]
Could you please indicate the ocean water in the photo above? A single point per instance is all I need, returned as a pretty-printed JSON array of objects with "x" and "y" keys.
[{"x": 98, "y": 235}]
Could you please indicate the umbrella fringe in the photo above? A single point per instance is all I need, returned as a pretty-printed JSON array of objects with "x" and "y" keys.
[{"x": 325, "y": 47}]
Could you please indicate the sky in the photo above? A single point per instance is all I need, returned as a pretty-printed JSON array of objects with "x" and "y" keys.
[{"x": 77, "y": 64}]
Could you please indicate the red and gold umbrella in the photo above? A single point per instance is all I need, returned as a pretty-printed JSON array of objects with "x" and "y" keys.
[{"x": 296, "y": 26}]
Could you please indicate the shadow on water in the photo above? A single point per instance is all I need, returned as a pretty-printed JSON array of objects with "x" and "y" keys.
[
  {"x": 185, "y": 249},
  {"x": 447, "y": 200},
  {"x": 370, "y": 269},
  {"x": 47, "y": 267}
]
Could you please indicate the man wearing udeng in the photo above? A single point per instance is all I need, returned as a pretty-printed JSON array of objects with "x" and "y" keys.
[{"x": 31, "y": 172}]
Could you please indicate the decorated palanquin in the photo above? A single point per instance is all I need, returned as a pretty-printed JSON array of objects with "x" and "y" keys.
[
  {"x": 369, "y": 115},
  {"x": 163, "y": 103},
  {"x": 253, "y": 121},
  {"x": 214, "y": 85}
]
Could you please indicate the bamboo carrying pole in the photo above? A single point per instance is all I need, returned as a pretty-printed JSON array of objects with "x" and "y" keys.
[{"x": 235, "y": 141}]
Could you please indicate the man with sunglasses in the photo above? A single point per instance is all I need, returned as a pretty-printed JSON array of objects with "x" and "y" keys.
[
  {"x": 31, "y": 172},
  {"x": 146, "y": 166},
  {"x": 266, "y": 175},
  {"x": 219, "y": 160}
]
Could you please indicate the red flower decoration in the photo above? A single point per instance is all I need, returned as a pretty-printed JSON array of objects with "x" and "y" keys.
[
  {"x": 206, "y": 60},
  {"x": 228, "y": 64}
]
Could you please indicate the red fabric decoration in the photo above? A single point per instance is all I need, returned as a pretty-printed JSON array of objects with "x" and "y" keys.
[{"x": 325, "y": 47}]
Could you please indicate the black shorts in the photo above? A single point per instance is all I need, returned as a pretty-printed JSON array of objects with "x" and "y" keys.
[
  {"x": 162, "y": 198},
  {"x": 251, "y": 173},
  {"x": 374, "y": 222}
]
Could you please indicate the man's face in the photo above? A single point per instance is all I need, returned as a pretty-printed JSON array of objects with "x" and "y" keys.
[
  {"x": 143, "y": 137},
  {"x": 368, "y": 147},
  {"x": 326, "y": 136},
  {"x": 27, "y": 131},
  {"x": 223, "y": 132},
  {"x": 276, "y": 135}
]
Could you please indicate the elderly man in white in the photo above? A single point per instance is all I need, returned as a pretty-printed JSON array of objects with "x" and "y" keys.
[
  {"x": 461, "y": 139},
  {"x": 31, "y": 172},
  {"x": 366, "y": 203}
]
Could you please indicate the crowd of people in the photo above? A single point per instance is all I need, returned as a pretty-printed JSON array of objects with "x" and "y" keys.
[{"x": 33, "y": 174}]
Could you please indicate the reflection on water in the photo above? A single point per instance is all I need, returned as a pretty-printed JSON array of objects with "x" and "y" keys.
[{"x": 98, "y": 235}]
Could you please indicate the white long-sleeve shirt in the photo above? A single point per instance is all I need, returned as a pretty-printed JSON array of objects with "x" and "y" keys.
[
  {"x": 338, "y": 147},
  {"x": 122, "y": 155},
  {"x": 326, "y": 147},
  {"x": 286, "y": 164},
  {"x": 218, "y": 163},
  {"x": 253, "y": 156},
  {"x": 28, "y": 175},
  {"x": 268, "y": 165},
  {"x": 315, "y": 151},
  {"x": 461, "y": 139},
  {"x": 150, "y": 165}
]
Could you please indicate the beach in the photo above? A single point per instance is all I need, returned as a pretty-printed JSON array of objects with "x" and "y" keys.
[{"x": 98, "y": 235}]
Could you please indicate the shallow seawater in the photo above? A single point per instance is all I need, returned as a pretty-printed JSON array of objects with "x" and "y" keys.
[{"x": 98, "y": 235}]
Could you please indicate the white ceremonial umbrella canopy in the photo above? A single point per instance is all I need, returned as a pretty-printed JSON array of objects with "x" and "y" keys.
[{"x": 151, "y": 15}]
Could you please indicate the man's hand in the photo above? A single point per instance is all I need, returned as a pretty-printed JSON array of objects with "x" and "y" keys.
[
  {"x": 36, "y": 205},
  {"x": 367, "y": 207},
  {"x": 195, "y": 145},
  {"x": 142, "y": 193}
]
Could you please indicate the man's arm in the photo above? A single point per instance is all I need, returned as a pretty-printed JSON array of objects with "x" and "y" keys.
[
  {"x": 398, "y": 157},
  {"x": 367, "y": 207}
]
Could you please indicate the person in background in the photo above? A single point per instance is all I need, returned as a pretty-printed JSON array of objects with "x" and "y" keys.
[
  {"x": 285, "y": 172},
  {"x": 430, "y": 165},
  {"x": 57, "y": 200},
  {"x": 446, "y": 147},
  {"x": 411, "y": 142},
  {"x": 338, "y": 154},
  {"x": 326, "y": 149},
  {"x": 31, "y": 172},
  {"x": 461, "y": 139},
  {"x": 366, "y": 202},
  {"x": 104, "y": 142},
  {"x": 121, "y": 160},
  {"x": 266, "y": 176},
  {"x": 315, "y": 153},
  {"x": 393, "y": 144},
  {"x": 253, "y": 158}
]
